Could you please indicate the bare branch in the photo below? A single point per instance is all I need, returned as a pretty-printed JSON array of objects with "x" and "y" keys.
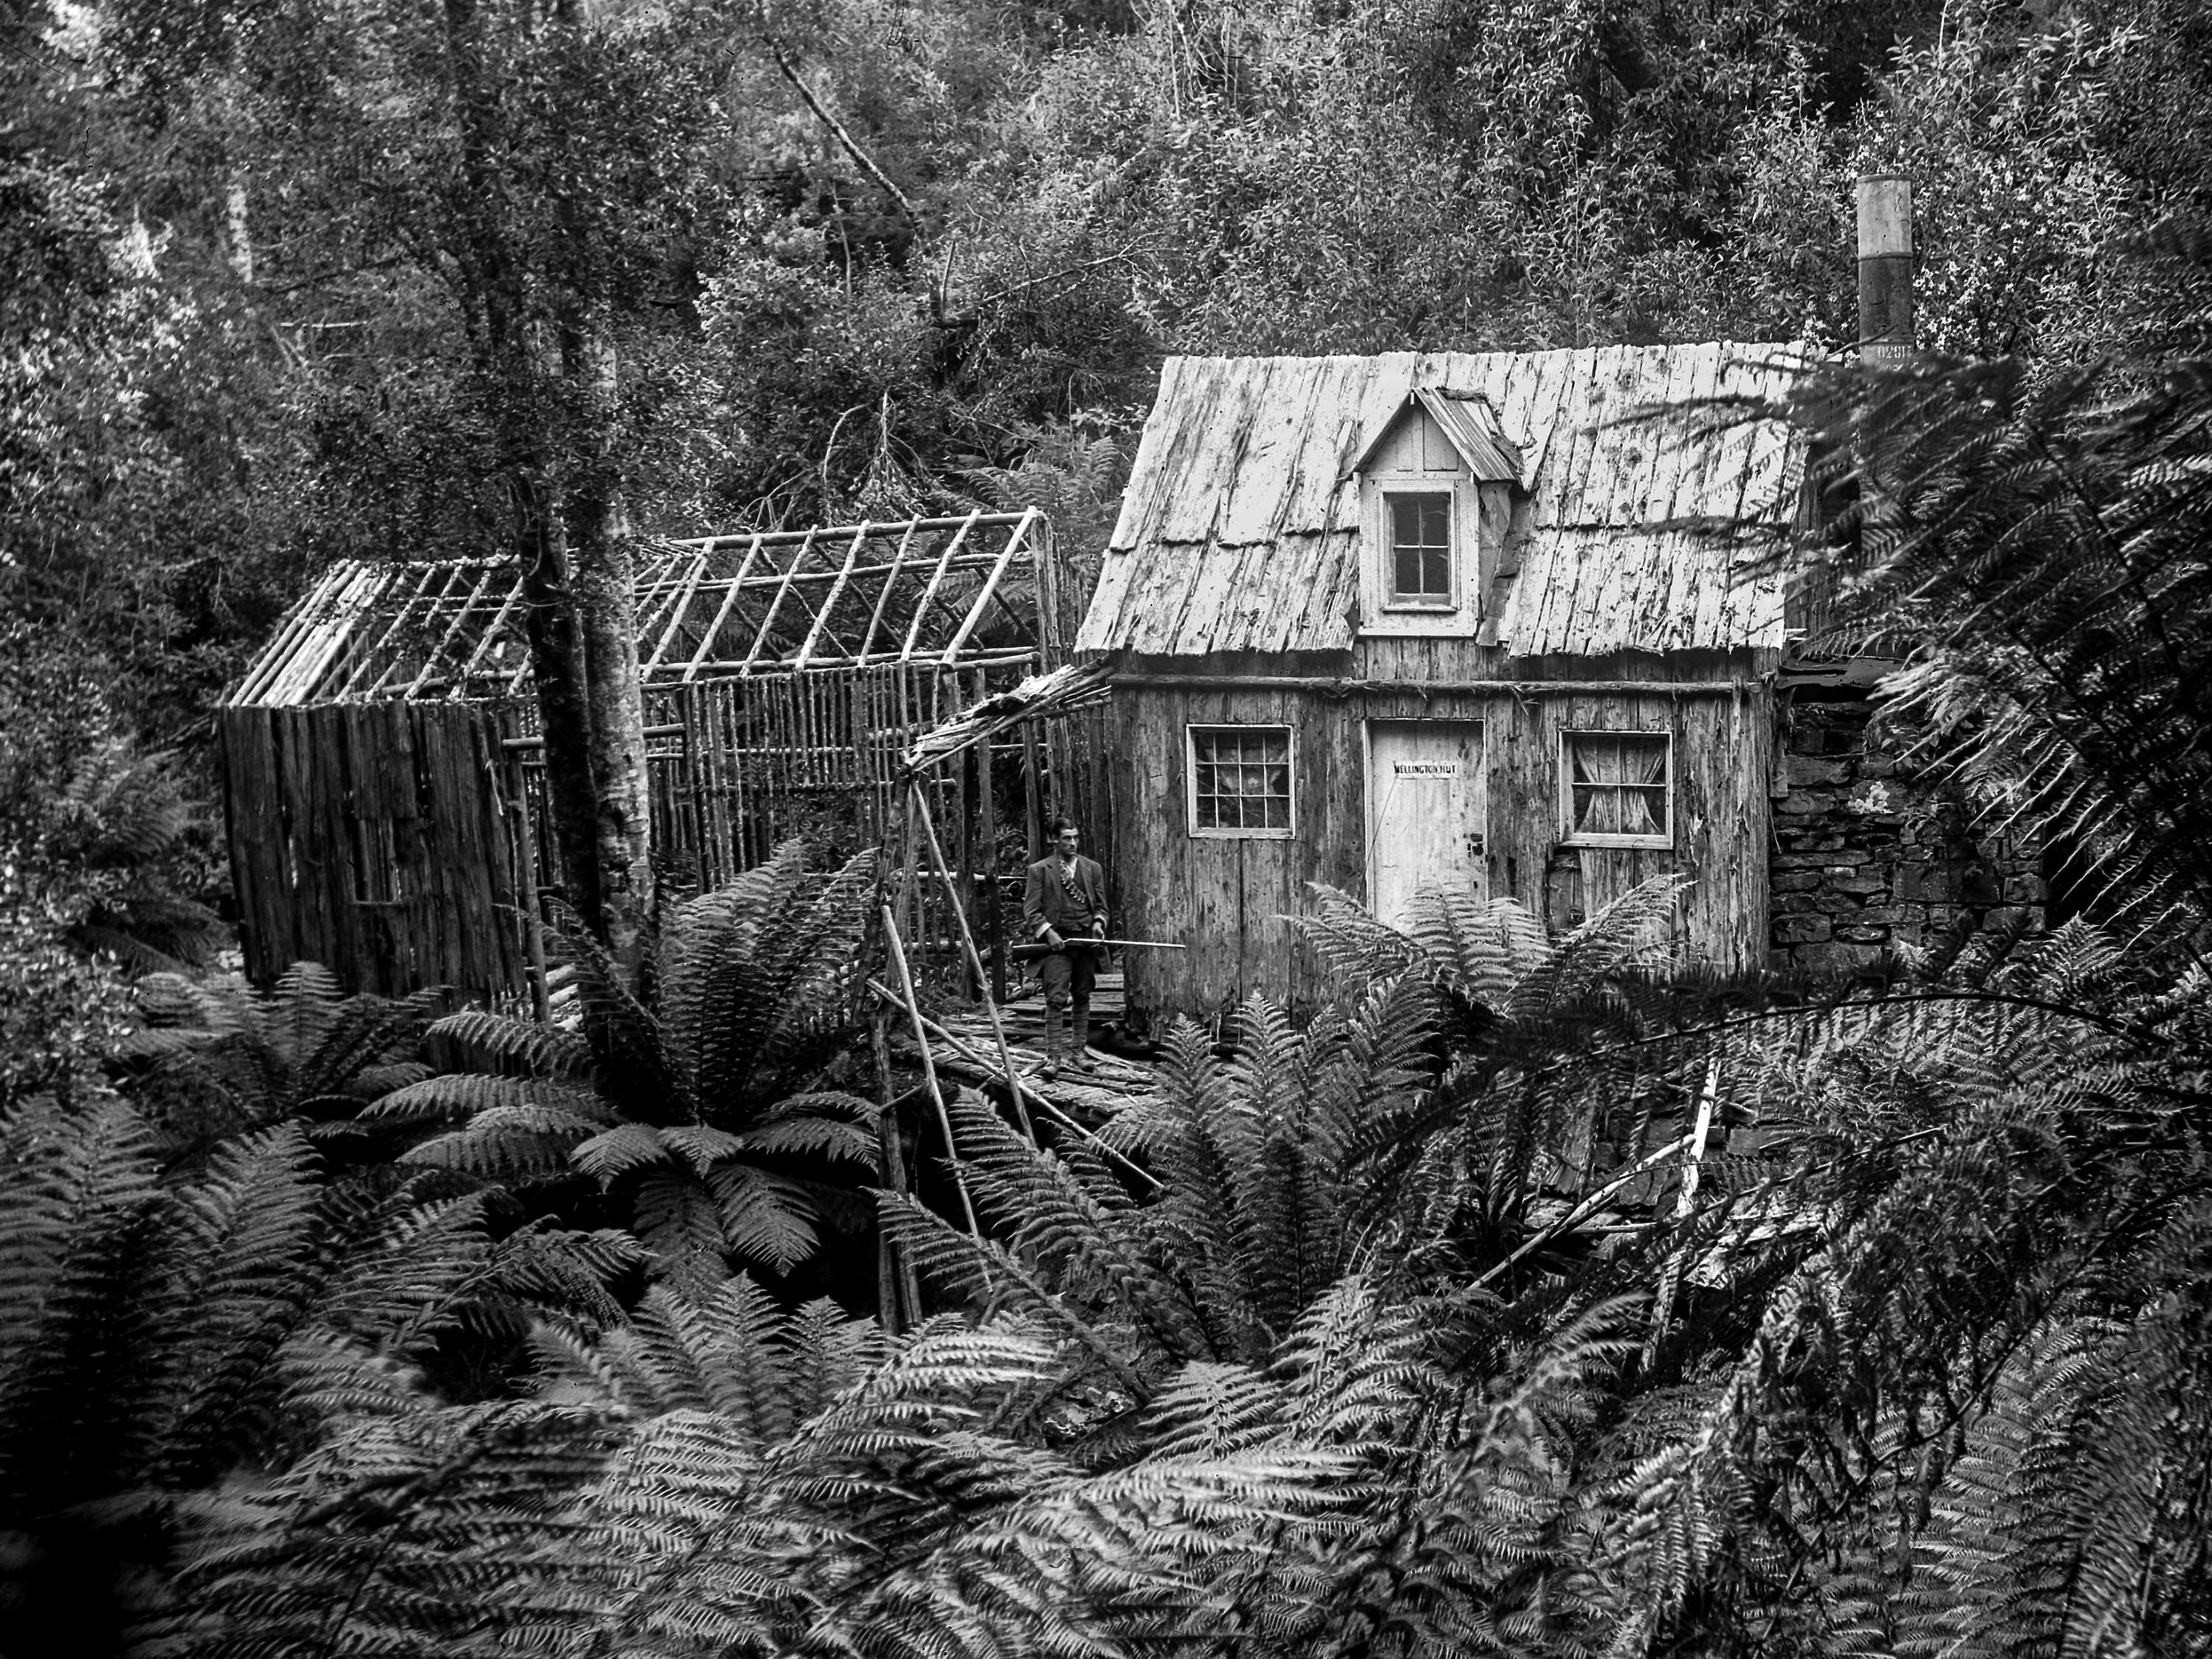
[{"x": 852, "y": 145}]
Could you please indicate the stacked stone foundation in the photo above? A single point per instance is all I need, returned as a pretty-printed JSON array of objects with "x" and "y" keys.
[{"x": 1870, "y": 854}]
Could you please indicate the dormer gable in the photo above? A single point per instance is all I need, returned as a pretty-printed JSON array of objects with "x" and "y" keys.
[
  {"x": 1435, "y": 482},
  {"x": 1460, "y": 432}
]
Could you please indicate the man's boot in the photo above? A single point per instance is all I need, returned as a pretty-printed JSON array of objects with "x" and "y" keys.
[
  {"x": 1053, "y": 1052},
  {"x": 1080, "y": 1058}
]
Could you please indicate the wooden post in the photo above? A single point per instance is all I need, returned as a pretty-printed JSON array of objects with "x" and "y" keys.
[
  {"x": 1033, "y": 788},
  {"x": 966, "y": 808},
  {"x": 1045, "y": 1102},
  {"x": 929, "y": 1067},
  {"x": 533, "y": 908},
  {"x": 975, "y": 966},
  {"x": 895, "y": 1275},
  {"x": 987, "y": 808},
  {"x": 1685, "y": 1204}
]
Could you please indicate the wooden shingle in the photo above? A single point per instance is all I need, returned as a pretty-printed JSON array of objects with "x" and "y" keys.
[{"x": 1650, "y": 497}]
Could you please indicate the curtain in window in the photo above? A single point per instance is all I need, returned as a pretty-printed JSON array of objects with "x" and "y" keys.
[{"x": 1620, "y": 785}]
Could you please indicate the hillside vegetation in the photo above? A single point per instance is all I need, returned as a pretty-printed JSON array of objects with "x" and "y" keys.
[{"x": 331, "y": 1324}]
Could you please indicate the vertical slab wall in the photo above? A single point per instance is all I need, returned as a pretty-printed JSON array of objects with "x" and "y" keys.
[
  {"x": 1224, "y": 897},
  {"x": 371, "y": 838}
]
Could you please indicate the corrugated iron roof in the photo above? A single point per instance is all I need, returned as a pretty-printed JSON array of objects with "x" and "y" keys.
[{"x": 1239, "y": 528}]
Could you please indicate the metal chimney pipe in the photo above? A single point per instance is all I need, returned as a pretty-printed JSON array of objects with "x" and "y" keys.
[{"x": 1885, "y": 211}]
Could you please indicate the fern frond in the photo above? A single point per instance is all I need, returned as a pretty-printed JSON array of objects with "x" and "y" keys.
[
  {"x": 620, "y": 1150},
  {"x": 680, "y": 1224},
  {"x": 766, "y": 1217},
  {"x": 489, "y": 1040},
  {"x": 523, "y": 1142},
  {"x": 255, "y": 1229},
  {"x": 467, "y": 1094}
]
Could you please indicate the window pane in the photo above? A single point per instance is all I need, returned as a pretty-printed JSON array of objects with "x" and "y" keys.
[
  {"x": 1408, "y": 577},
  {"x": 1420, "y": 546},
  {"x": 1405, "y": 520},
  {"x": 1617, "y": 783},
  {"x": 1240, "y": 778}
]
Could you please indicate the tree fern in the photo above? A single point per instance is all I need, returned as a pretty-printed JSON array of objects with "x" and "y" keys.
[
  {"x": 216, "y": 1057},
  {"x": 157, "y": 1339},
  {"x": 688, "y": 1096}
]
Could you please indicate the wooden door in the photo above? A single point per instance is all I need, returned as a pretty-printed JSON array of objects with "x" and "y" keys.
[{"x": 1425, "y": 806}]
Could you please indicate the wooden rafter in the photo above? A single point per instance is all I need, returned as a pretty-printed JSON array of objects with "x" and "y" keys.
[
  {"x": 936, "y": 580},
  {"x": 760, "y": 638},
  {"x": 989, "y": 588},
  {"x": 837, "y": 587},
  {"x": 884, "y": 593},
  {"x": 431, "y": 657},
  {"x": 679, "y": 607},
  {"x": 714, "y": 628},
  {"x": 756, "y": 605},
  {"x": 369, "y": 655}
]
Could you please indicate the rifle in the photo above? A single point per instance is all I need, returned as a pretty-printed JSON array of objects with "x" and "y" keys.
[{"x": 1030, "y": 953}]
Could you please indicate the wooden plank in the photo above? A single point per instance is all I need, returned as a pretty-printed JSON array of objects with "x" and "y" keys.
[
  {"x": 508, "y": 924},
  {"x": 1649, "y": 435},
  {"x": 478, "y": 934},
  {"x": 256, "y": 839},
  {"x": 311, "y": 934},
  {"x": 1692, "y": 462},
  {"x": 1549, "y": 433},
  {"x": 1292, "y": 398},
  {"x": 1192, "y": 392}
]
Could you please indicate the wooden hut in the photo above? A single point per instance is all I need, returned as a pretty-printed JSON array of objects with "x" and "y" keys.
[
  {"x": 1497, "y": 619},
  {"x": 383, "y": 774}
]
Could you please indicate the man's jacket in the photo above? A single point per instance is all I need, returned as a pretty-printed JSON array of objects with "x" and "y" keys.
[{"x": 1045, "y": 904}]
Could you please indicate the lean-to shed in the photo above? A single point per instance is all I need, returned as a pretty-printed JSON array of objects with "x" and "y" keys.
[
  {"x": 1499, "y": 619},
  {"x": 384, "y": 779}
]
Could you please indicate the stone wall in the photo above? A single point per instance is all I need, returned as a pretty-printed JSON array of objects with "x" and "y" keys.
[{"x": 1866, "y": 854}]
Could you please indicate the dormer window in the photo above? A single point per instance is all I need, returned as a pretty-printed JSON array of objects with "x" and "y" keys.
[
  {"x": 1435, "y": 487},
  {"x": 1420, "y": 548}
]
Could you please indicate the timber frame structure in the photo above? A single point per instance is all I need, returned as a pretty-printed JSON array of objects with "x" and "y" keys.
[{"x": 383, "y": 772}]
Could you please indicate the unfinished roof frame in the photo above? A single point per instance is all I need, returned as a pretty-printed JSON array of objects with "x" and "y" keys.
[{"x": 913, "y": 593}]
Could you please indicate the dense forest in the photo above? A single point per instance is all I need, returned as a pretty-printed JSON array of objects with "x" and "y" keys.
[{"x": 336, "y": 1324}]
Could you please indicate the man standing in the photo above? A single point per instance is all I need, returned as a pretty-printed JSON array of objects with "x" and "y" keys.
[{"x": 1065, "y": 902}]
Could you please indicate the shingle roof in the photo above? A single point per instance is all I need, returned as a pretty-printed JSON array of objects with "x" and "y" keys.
[{"x": 1239, "y": 528}]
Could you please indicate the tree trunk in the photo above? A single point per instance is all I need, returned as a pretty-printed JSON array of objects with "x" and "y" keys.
[
  {"x": 606, "y": 611},
  {"x": 580, "y": 610},
  {"x": 557, "y": 651}
]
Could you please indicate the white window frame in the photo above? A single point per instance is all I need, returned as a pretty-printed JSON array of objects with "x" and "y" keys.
[
  {"x": 1568, "y": 835},
  {"x": 1190, "y": 731},
  {"x": 1385, "y": 574}
]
